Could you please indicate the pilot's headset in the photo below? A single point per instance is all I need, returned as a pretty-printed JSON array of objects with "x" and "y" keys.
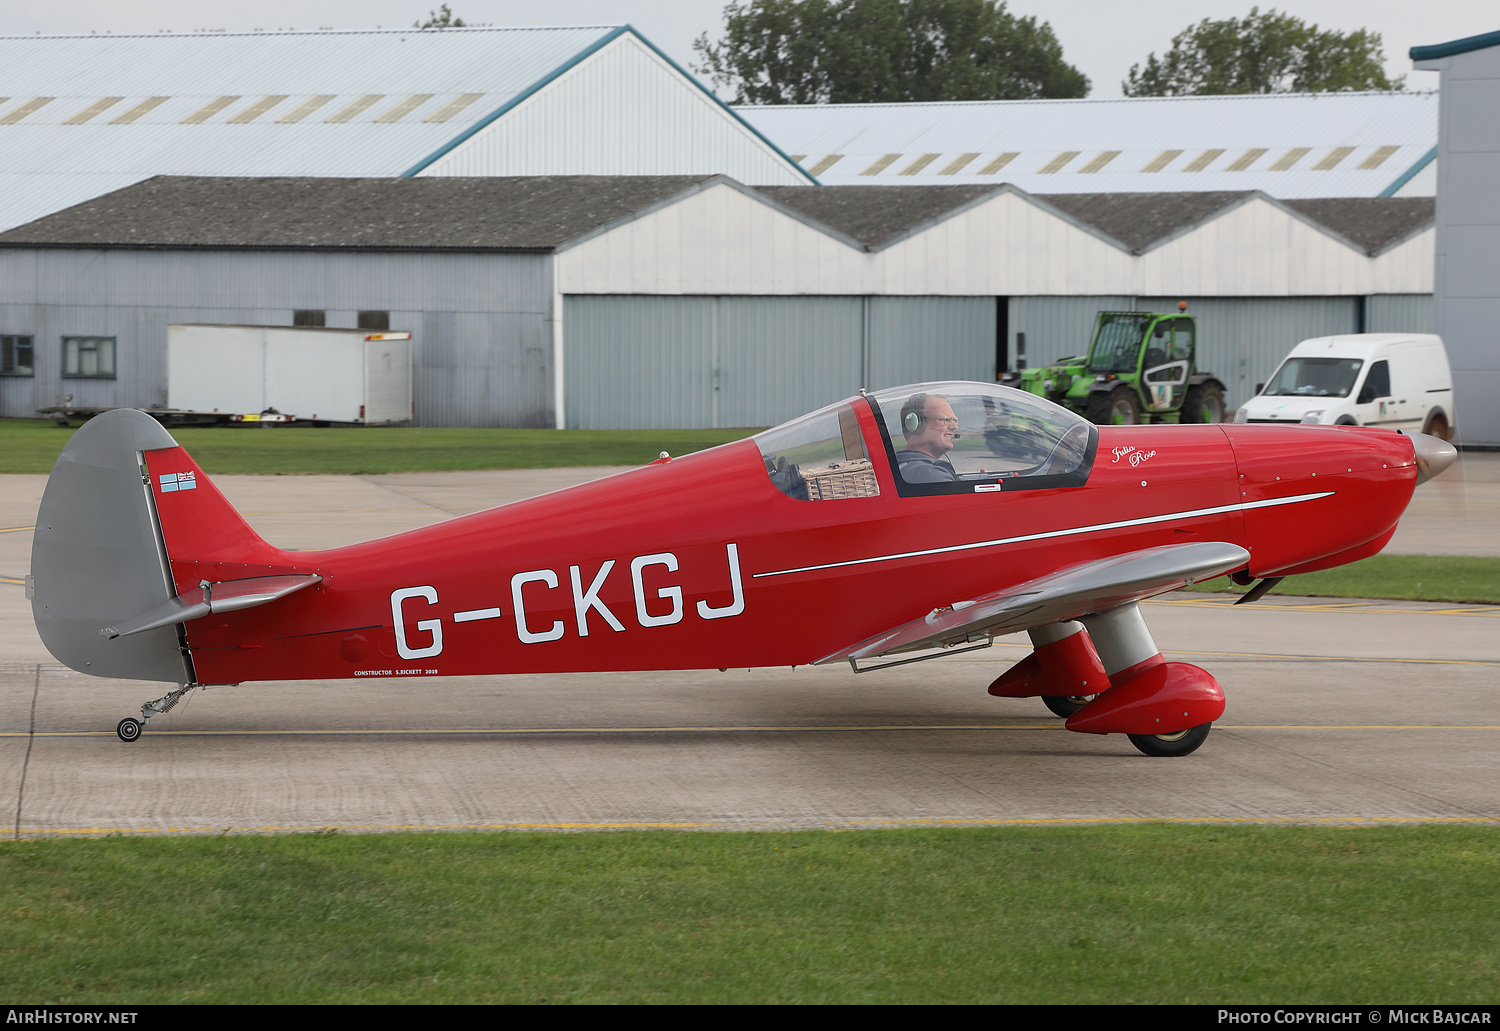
[{"x": 914, "y": 414}]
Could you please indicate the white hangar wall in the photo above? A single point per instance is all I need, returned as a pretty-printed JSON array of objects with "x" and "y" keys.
[
  {"x": 625, "y": 110},
  {"x": 724, "y": 309}
]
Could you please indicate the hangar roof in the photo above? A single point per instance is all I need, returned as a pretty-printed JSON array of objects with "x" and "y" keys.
[
  {"x": 542, "y": 213},
  {"x": 528, "y": 213},
  {"x": 1285, "y": 145},
  {"x": 83, "y": 115}
]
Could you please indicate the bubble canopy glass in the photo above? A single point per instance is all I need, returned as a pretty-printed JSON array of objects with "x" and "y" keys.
[
  {"x": 963, "y": 438},
  {"x": 939, "y": 438}
]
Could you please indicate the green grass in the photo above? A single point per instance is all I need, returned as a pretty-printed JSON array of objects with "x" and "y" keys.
[
  {"x": 1146, "y": 913},
  {"x": 1416, "y": 577},
  {"x": 32, "y": 446}
]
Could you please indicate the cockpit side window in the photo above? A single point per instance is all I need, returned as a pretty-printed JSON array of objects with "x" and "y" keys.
[
  {"x": 819, "y": 457},
  {"x": 961, "y": 438}
]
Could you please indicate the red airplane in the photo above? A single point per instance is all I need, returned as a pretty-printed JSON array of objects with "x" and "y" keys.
[{"x": 887, "y": 528}]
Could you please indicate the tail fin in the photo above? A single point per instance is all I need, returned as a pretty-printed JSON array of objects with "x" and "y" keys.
[{"x": 130, "y": 543}]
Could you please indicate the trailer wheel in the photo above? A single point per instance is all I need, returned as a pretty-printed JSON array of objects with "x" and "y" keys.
[
  {"x": 1117, "y": 408},
  {"x": 1204, "y": 403}
]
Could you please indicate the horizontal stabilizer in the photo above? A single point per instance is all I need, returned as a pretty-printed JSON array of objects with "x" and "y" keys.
[
  {"x": 1068, "y": 594},
  {"x": 225, "y": 596}
]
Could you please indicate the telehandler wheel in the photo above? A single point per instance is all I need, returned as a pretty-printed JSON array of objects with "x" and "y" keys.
[
  {"x": 1066, "y": 705},
  {"x": 1117, "y": 408},
  {"x": 1184, "y": 742},
  {"x": 128, "y": 729},
  {"x": 1203, "y": 403}
]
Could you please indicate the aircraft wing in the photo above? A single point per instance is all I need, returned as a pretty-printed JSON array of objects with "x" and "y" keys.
[{"x": 1066, "y": 594}]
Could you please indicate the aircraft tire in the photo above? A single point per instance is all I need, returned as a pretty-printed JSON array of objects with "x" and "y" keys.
[
  {"x": 1066, "y": 705},
  {"x": 1181, "y": 743},
  {"x": 128, "y": 729}
]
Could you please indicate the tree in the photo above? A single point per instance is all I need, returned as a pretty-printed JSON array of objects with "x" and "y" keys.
[
  {"x": 1262, "y": 53},
  {"x": 440, "y": 19},
  {"x": 866, "y": 51}
]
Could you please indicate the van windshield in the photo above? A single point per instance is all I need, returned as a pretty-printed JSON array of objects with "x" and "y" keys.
[{"x": 1315, "y": 377}]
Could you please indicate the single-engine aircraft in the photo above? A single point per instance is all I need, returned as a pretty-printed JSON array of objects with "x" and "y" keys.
[{"x": 890, "y": 527}]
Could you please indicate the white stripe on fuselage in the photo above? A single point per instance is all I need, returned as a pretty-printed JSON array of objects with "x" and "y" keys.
[{"x": 1121, "y": 524}]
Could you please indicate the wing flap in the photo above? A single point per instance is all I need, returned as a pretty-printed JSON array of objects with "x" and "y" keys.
[{"x": 1067, "y": 594}]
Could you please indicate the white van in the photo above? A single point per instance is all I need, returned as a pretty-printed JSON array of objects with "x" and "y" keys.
[{"x": 1397, "y": 380}]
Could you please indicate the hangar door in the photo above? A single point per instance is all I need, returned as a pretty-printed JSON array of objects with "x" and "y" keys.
[{"x": 653, "y": 362}]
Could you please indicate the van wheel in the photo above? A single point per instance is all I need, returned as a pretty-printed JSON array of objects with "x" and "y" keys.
[{"x": 1437, "y": 426}]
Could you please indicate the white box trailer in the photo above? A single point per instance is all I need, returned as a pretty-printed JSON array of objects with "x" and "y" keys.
[{"x": 299, "y": 373}]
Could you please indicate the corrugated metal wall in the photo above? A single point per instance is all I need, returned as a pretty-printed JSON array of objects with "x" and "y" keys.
[
  {"x": 1058, "y": 327},
  {"x": 482, "y": 344},
  {"x": 1401, "y": 313},
  {"x": 651, "y": 362}
]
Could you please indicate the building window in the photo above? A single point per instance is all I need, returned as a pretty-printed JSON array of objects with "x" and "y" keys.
[
  {"x": 16, "y": 356},
  {"x": 88, "y": 357},
  {"x": 309, "y": 317},
  {"x": 380, "y": 321}
]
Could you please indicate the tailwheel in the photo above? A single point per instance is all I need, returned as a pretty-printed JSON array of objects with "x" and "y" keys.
[
  {"x": 1067, "y": 705},
  {"x": 1183, "y": 742},
  {"x": 128, "y": 729}
]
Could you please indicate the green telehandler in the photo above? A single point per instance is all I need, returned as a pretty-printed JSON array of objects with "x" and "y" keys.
[{"x": 1140, "y": 368}]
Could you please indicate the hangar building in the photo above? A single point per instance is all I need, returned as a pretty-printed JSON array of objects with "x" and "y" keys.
[
  {"x": 81, "y": 116},
  {"x": 1468, "y": 226},
  {"x": 685, "y": 301}
]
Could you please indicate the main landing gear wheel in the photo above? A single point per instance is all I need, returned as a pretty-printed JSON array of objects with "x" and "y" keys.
[
  {"x": 1067, "y": 705},
  {"x": 128, "y": 729},
  {"x": 1183, "y": 742}
]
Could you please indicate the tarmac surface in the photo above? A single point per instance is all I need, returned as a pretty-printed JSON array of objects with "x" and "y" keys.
[{"x": 1348, "y": 712}]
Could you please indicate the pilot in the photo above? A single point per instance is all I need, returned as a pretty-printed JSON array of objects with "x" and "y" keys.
[{"x": 930, "y": 427}]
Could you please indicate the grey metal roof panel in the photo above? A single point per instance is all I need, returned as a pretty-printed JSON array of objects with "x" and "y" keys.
[
  {"x": 1373, "y": 223},
  {"x": 1138, "y": 220},
  {"x": 875, "y": 215},
  {"x": 1158, "y": 144},
  {"x": 535, "y": 213}
]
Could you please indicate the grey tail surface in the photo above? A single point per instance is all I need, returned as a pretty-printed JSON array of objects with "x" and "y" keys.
[{"x": 98, "y": 554}]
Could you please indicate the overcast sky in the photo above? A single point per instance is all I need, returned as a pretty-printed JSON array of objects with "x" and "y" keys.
[{"x": 1102, "y": 37}]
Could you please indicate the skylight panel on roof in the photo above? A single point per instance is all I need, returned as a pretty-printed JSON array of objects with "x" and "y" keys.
[
  {"x": 1247, "y": 159},
  {"x": 453, "y": 107},
  {"x": 34, "y": 104},
  {"x": 880, "y": 165},
  {"x": 1332, "y": 158},
  {"x": 825, "y": 164},
  {"x": 1377, "y": 159},
  {"x": 405, "y": 108},
  {"x": 1103, "y": 158},
  {"x": 96, "y": 108},
  {"x": 1162, "y": 160},
  {"x": 1203, "y": 160},
  {"x": 144, "y": 107},
  {"x": 1057, "y": 163},
  {"x": 208, "y": 110},
  {"x": 257, "y": 109},
  {"x": 348, "y": 112},
  {"x": 919, "y": 164},
  {"x": 304, "y": 109},
  {"x": 1000, "y": 162},
  {"x": 1290, "y": 158},
  {"x": 952, "y": 167}
]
